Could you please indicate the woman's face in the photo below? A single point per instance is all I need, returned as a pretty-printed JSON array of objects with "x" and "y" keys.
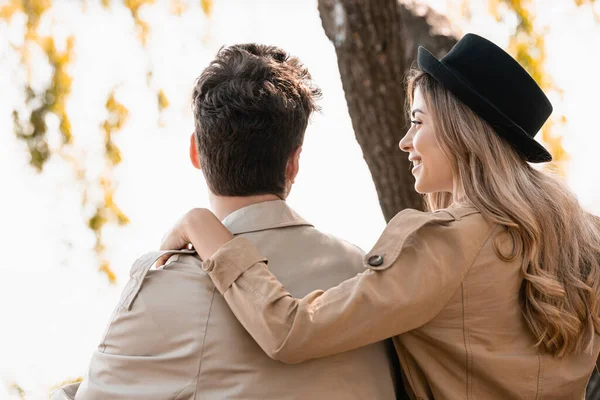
[{"x": 431, "y": 168}]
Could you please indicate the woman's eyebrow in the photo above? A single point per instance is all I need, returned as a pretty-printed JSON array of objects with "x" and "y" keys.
[{"x": 416, "y": 110}]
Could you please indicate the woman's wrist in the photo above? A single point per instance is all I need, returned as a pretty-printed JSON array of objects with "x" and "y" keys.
[{"x": 204, "y": 230}]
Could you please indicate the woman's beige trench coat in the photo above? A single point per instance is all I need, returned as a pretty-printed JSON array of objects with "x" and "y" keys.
[{"x": 434, "y": 283}]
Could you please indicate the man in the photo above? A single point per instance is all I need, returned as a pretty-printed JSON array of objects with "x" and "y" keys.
[{"x": 173, "y": 336}]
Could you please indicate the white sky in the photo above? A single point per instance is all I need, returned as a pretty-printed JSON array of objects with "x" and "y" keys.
[{"x": 54, "y": 305}]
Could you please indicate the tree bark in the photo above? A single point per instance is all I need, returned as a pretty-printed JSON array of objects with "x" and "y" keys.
[{"x": 376, "y": 43}]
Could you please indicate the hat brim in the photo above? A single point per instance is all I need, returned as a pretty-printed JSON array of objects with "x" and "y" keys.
[{"x": 527, "y": 146}]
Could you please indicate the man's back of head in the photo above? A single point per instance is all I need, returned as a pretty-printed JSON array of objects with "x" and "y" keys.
[{"x": 251, "y": 108}]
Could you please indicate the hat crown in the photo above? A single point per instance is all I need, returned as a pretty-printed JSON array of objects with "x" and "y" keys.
[{"x": 501, "y": 80}]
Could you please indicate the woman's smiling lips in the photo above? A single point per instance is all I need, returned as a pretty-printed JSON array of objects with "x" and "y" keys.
[{"x": 416, "y": 163}]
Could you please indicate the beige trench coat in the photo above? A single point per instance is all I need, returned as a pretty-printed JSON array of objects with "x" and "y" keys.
[
  {"x": 434, "y": 283},
  {"x": 173, "y": 337}
]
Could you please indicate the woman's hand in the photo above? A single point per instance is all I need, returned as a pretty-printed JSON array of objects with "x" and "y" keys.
[{"x": 200, "y": 227}]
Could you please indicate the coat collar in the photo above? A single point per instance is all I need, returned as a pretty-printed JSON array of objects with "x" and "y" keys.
[
  {"x": 263, "y": 216},
  {"x": 459, "y": 212}
]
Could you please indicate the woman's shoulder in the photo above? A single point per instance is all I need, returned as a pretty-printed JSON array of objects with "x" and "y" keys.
[
  {"x": 459, "y": 218},
  {"x": 455, "y": 229}
]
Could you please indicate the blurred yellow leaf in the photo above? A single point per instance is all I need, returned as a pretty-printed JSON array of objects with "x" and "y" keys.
[
  {"x": 110, "y": 204},
  {"x": 65, "y": 127},
  {"x": 494, "y": 9},
  {"x": 60, "y": 87},
  {"x": 99, "y": 247},
  {"x": 34, "y": 9},
  {"x": 105, "y": 267},
  {"x": 178, "y": 7},
  {"x": 207, "y": 6},
  {"x": 113, "y": 154},
  {"x": 143, "y": 28},
  {"x": 10, "y": 9},
  {"x": 163, "y": 102},
  {"x": 134, "y": 5},
  {"x": 119, "y": 215},
  {"x": 98, "y": 220},
  {"x": 18, "y": 390},
  {"x": 591, "y": 3},
  {"x": 117, "y": 114},
  {"x": 527, "y": 45}
]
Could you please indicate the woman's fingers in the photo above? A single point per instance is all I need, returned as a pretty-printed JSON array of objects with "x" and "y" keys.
[
  {"x": 206, "y": 232},
  {"x": 162, "y": 261},
  {"x": 175, "y": 239},
  {"x": 199, "y": 227}
]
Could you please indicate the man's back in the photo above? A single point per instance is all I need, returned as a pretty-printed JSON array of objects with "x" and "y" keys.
[{"x": 180, "y": 340}]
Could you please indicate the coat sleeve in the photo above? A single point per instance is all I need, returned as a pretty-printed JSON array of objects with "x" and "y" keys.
[{"x": 419, "y": 262}]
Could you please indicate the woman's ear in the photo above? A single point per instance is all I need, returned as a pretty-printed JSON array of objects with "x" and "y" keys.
[{"x": 194, "y": 151}]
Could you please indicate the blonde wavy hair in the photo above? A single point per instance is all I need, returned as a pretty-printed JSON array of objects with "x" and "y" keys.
[{"x": 557, "y": 241}]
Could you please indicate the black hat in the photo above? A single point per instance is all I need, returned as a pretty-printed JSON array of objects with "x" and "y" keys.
[{"x": 493, "y": 84}]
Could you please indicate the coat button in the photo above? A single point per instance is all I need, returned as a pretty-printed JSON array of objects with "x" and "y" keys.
[{"x": 375, "y": 261}]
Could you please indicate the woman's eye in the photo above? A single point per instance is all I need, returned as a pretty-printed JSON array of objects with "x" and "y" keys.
[{"x": 417, "y": 123}]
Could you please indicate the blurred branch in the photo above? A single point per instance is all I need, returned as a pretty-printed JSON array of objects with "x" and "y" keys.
[
  {"x": 14, "y": 387},
  {"x": 33, "y": 130},
  {"x": 143, "y": 28},
  {"x": 30, "y": 121},
  {"x": 53, "y": 98},
  {"x": 527, "y": 44},
  {"x": 107, "y": 210},
  {"x": 591, "y": 4}
]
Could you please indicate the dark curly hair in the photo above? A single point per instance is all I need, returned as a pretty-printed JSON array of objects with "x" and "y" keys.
[{"x": 251, "y": 108}]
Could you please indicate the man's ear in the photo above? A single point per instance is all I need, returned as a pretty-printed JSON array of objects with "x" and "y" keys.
[
  {"x": 293, "y": 165},
  {"x": 194, "y": 152}
]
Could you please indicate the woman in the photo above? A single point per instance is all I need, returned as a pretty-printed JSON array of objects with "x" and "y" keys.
[{"x": 492, "y": 294}]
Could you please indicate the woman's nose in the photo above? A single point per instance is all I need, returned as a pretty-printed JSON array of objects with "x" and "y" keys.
[{"x": 406, "y": 142}]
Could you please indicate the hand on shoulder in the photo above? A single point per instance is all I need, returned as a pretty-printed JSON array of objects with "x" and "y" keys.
[{"x": 202, "y": 229}]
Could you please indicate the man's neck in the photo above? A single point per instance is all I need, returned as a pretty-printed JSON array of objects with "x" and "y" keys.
[{"x": 222, "y": 206}]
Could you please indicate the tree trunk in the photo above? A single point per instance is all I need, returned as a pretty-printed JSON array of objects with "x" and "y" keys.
[{"x": 376, "y": 42}]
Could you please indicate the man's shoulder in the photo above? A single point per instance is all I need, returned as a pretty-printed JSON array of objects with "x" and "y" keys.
[
  {"x": 156, "y": 301},
  {"x": 311, "y": 252},
  {"x": 313, "y": 235},
  {"x": 181, "y": 282},
  {"x": 161, "y": 312},
  {"x": 320, "y": 241},
  {"x": 339, "y": 244}
]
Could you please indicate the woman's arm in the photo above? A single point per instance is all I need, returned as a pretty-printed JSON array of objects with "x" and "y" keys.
[{"x": 424, "y": 258}]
